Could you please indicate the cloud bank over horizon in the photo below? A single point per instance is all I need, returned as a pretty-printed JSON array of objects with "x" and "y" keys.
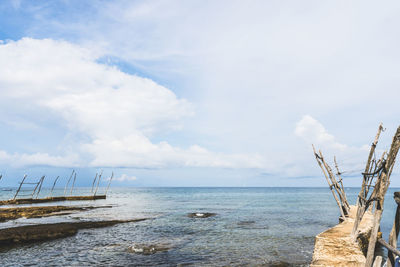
[
  {"x": 116, "y": 112},
  {"x": 197, "y": 89}
]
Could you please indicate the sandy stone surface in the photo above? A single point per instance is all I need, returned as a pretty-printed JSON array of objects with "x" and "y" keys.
[{"x": 335, "y": 246}]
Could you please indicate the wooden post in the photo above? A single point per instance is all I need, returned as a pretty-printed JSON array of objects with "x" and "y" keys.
[
  {"x": 54, "y": 184},
  {"x": 394, "y": 234},
  {"x": 361, "y": 195},
  {"x": 377, "y": 261},
  {"x": 384, "y": 181},
  {"x": 40, "y": 187},
  {"x": 335, "y": 186},
  {"x": 73, "y": 183},
  {"x": 37, "y": 184},
  {"x": 98, "y": 182},
  {"x": 19, "y": 188},
  {"x": 66, "y": 186},
  {"x": 91, "y": 191},
  {"x": 109, "y": 182},
  {"x": 341, "y": 183},
  {"x": 318, "y": 158}
]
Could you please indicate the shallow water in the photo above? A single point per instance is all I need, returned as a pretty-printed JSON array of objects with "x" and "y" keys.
[{"x": 253, "y": 226}]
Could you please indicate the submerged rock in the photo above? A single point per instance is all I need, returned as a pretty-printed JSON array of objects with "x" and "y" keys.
[
  {"x": 246, "y": 223},
  {"x": 43, "y": 232},
  {"x": 201, "y": 215},
  {"x": 41, "y": 211},
  {"x": 149, "y": 249}
]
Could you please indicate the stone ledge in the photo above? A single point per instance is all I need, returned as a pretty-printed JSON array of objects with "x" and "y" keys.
[{"x": 335, "y": 246}]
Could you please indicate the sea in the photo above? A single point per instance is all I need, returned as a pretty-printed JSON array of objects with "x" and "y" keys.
[{"x": 252, "y": 227}]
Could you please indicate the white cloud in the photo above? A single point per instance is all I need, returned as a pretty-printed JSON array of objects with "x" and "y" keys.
[
  {"x": 124, "y": 178},
  {"x": 349, "y": 157},
  {"x": 19, "y": 160},
  {"x": 314, "y": 132},
  {"x": 116, "y": 112}
]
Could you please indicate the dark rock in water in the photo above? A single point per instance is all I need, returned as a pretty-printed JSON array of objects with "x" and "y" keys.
[
  {"x": 201, "y": 215},
  {"x": 149, "y": 249}
]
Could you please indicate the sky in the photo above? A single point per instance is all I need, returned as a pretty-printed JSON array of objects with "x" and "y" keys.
[{"x": 196, "y": 93}]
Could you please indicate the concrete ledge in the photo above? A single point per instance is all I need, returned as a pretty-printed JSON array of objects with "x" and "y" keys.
[{"x": 335, "y": 246}]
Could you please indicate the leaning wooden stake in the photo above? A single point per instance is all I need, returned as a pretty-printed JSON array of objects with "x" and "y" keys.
[
  {"x": 66, "y": 186},
  {"x": 335, "y": 185},
  {"x": 36, "y": 187},
  {"x": 98, "y": 182},
  {"x": 319, "y": 160},
  {"x": 394, "y": 234},
  {"x": 384, "y": 181},
  {"x": 73, "y": 183},
  {"x": 40, "y": 187},
  {"x": 19, "y": 188},
  {"x": 341, "y": 183},
  {"x": 109, "y": 182},
  {"x": 361, "y": 196},
  {"x": 54, "y": 184},
  {"x": 94, "y": 180}
]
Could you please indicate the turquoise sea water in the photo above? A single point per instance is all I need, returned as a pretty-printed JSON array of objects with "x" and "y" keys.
[{"x": 253, "y": 227}]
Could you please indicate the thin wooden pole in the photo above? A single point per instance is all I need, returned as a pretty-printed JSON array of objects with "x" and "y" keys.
[
  {"x": 37, "y": 184},
  {"x": 98, "y": 182},
  {"x": 317, "y": 157},
  {"x": 109, "y": 182},
  {"x": 394, "y": 233},
  {"x": 40, "y": 187},
  {"x": 19, "y": 188},
  {"x": 94, "y": 180},
  {"x": 66, "y": 186},
  {"x": 54, "y": 184},
  {"x": 341, "y": 184},
  {"x": 73, "y": 183},
  {"x": 361, "y": 195},
  {"x": 389, "y": 247},
  {"x": 384, "y": 181},
  {"x": 335, "y": 186}
]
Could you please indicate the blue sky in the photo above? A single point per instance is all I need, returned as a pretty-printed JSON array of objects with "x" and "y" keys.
[{"x": 195, "y": 93}]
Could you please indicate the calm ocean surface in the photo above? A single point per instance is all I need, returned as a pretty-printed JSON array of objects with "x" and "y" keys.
[{"x": 253, "y": 227}]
